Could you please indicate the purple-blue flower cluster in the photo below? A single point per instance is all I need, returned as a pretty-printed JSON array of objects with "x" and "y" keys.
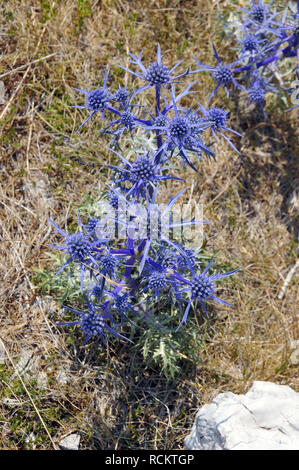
[{"x": 127, "y": 260}]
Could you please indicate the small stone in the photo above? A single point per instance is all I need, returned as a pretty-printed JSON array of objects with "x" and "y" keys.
[
  {"x": 294, "y": 358},
  {"x": 30, "y": 441},
  {"x": 70, "y": 442},
  {"x": 2, "y": 354},
  {"x": 42, "y": 380},
  {"x": 62, "y": 377},
  {"x": 2, "y": 93},
  {"x": 11, "y": 402}
]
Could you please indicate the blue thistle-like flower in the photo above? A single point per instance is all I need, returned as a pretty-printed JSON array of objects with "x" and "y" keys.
[
  {"x": 143, "y": 173},
  {"x": 108, "y": 264},
  {"x": 223, "y": 74},
  {"x": 127, "y": 119},
  {"x": 113, "y": 200},
  {"x": 91, "y": 225},
  {"x": 201, "y": 287},
  {"x": 261, "y": 20},
  {"x": 92, "y": 324},
  {"x": 250, "y": 44},
  {"x": 179, "y": 128},
  {"x": 157, "y": 281},
  {"x": 181, "y": 134},
  {"x": 217, "y": 118},
  {"x": 97, "y": 289},
  {"x": 79, "y": 248},
  {"x": 187, "y": 260},
  {"x": 96, "y": 100},
  {"x": 256, "y": 94},
  {"x": 258, "y": 13},
  {"x": 121, "y": 95},
  {"x": 258, "y": 89},
  {"x": 157, "y": 74},
  {"x": 122, "y": 304}
]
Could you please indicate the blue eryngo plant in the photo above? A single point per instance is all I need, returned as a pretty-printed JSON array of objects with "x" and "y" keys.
[
  {"x": 135, "y": 274},
  {"x": 267, "y": 41}
]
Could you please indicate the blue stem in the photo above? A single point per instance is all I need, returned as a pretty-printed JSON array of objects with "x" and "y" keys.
[{"x": 288, "y": 51}]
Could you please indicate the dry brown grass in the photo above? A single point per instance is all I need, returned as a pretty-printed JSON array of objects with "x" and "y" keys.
[{"x": 47, "y": 49}]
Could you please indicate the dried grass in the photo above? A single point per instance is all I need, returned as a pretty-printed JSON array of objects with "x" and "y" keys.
[{"x": 252, "y": 201}]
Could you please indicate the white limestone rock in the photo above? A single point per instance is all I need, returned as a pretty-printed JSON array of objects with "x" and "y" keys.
[
  {"x": 70, "y": 442},
  {"x": 265, "y": 418}
]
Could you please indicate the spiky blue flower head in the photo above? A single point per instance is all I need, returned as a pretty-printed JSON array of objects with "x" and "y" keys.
[
  {"x": 121, "y": 95},
  {"x": 258, "y": 13},
  {"x": 93, "y": 324},
  {"x": 108, "y": 264},
  {"x": 96, "y": 100},
  {"x": 113, "y": 200},
  {"x": 127, "y": 119},
  {"x": 250, "y": 44},
  {"x": 160, "y": 120},
  {"x": 90, "y": 227},
  {"x": 179, "y": 128},
  {"x": 223, "y": 74},
  {"x": 157, "y": 74},
  {"x": 256, "y": 94},
  {"x": 122, "y": 303},
  {"x": 157, "y": 281},
  {"x": 78, "y": 246},
  {"x": 260, "y": 19},
  {"x": 195, "y": 123},
  {"x": 201, "y": 287},
  {"x": 168, "y": 258},
  {"x": 143, "y": 173},
  {"x": 180, "y": 134},
  {"x": 143, "y": 169},
  {"x": 217, "y": 118},
  {"x": 258, "y": 89},
  {"x": 97, "y": 290}
]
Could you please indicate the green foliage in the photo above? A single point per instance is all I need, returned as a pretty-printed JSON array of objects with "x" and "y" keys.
[
  {"x": 169, "y": 348},
  {"x": 64, "y": 287}
]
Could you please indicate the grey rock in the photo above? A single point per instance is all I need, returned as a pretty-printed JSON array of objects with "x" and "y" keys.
[
  {"x": 2, "y": 354},
  {"x": 2, "y": 93},
  {"x": 265, "y": 418},
  {"x": 11, "y": 402},
  {"x": 62, "y": 377},
  {"x": 294, "y": 358},
  {"x": 70, "y": 442},
  {"x": 42, "y": 380}
]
